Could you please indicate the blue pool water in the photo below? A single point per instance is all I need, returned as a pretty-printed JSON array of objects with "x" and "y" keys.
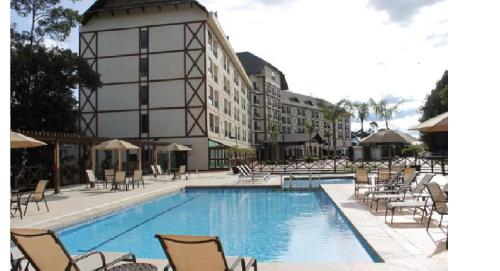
[{"x": 269, "y": 224}]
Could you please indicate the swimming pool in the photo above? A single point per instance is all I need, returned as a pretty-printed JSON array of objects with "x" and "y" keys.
[{"x": 269, "y": 224}]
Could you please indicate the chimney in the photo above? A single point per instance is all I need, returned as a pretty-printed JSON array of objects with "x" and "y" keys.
[{"x": 227, "y": 37}]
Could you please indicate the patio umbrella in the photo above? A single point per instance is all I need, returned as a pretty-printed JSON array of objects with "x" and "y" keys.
[
  {"x": 173, "y": 147},
  {"x": 388, "y": 136},
  {"x": 438, "y": 123},
  {"x": 21, "y": 141},
  {"x": 116, "y": 145}
]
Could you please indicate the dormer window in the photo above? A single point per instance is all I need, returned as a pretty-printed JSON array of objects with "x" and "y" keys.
[
  {"x": 294, "y": 99},
  {"x": 308, "y": 103}
]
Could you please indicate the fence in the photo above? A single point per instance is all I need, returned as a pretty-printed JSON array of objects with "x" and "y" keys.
[{"x": 434, "y": 164}]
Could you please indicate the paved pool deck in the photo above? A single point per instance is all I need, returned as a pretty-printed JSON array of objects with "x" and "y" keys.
[{"x": 403, "y": 245}]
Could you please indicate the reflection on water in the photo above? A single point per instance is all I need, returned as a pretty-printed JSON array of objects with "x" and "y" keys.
[{"x": 268, "y": 224}]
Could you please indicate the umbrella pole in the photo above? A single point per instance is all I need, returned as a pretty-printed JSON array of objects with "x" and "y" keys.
[{"x": 119, "y": 160}]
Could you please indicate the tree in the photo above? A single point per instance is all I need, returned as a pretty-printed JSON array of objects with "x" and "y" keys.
[
  {"x": 383, "y": 110},
  {"x": 43, "y": 79},
  {"x": 436, "y": 103},
  {"x": 362, "y": 110},
  {"x": 309, "y": 128},
  {"x": 334, "y": 113},
  {"x": 44, "y": 100},
  {"x": 48, "y": 18}
]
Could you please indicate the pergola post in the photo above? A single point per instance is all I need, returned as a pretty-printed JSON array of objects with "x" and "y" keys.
[
  {"x": 155, "y": 155},
  {"x": 57, "y": 168},
  {"x": 139, "y": 157},
  {"x": 119, "y": 160},
  {"x": 92, "y": 154}
]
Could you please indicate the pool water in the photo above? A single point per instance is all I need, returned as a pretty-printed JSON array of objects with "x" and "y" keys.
[{"x": 269, "y": 224}]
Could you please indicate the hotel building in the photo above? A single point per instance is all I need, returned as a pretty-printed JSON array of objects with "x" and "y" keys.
[
  {"x": 299, "y": 111},
  {"x": 267, "y": 84},
  {"x": 169, "y": 74}
]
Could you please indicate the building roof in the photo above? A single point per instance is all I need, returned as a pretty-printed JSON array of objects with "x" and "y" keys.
[
  {"x": 254, "y": 65},
  {"x": 109, "y": 5},
  {"x": 297, "y": 99}
]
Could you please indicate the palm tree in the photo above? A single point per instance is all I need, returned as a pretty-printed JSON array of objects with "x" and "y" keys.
[
  {"x": 362, "y": 110},
  {"x": 309, "y": 128},
  {"x": 383, "y": 110},
  {"x": 333, "y": 113}
]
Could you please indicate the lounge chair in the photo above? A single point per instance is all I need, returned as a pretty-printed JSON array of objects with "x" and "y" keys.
[
  {"x": 109, "y": 175},
  {"x": 439, "y": 202},
  {"x": 244, "y": 174},
  {"x": 255, "y": 174},
  {"x": 37, "y": 196},
  {"x": 416, "y": 203},
  {"x": 181, "y": 172},
  {"x": 361, "y": 180},
  {"x": 120, "y": 180},
  {"x": 153, "y": 169},
  {"x": 160, "y": 171},
  {"x": 384, "y": 187},
  {"x": 44, "y": 251},
  {"x": 399, "y": 193},
  {"x": 199, "y": 253},
  {"x": 137, "y": 178},
  {"x": 383, "y": 176},
  {"x": 93, "y": 180}
]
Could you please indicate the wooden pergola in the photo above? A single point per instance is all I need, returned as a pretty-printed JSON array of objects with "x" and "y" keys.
[{"x": 56, "y": 139}]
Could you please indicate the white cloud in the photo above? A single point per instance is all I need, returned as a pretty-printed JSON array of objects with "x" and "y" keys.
[{"x": 344, "y": 49}]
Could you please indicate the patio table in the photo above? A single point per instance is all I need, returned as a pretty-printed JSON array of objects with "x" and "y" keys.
[{"x": 134, "y": 267}]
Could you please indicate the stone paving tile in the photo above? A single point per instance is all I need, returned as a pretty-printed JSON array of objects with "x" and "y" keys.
[{"x": 395, "y": 243}]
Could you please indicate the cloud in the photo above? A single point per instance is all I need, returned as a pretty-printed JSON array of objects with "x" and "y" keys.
[
  {"x": 401, "y": 11},
  {"x": 438, "y": 40}
]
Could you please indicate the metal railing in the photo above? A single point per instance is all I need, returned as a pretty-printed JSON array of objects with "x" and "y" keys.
[{"x": 434, "y": 164}]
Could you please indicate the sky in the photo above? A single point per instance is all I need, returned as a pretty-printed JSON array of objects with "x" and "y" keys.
[{"x": 332, "y": 49}]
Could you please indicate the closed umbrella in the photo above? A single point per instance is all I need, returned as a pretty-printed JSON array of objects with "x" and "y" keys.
[
  {"x": 438, "y": 123},
  {"x": 21, "y": 141}
]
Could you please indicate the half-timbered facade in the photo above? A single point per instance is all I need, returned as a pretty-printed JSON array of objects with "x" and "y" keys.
[{"x": 168, "y": 74}]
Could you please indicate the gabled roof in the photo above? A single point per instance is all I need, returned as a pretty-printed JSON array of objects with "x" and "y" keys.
[
  {"x": 108, "y": 5},
  {"x": 297, "y": 99},
  {"x": 254, "y": 65}
]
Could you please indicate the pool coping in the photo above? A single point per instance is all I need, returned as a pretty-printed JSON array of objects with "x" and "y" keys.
[{"x": 391, "y": 248}]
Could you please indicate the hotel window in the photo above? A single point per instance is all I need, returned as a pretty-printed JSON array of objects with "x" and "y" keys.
[
  {"x": 255, "y": 85},
  {"x": 144, "y": 124},
  {"x": 215, "y": 48},
  {"x": 226, "y": 86},
  {"x": 216, "y": 99},
  {"x": 211, "y": 123},
  {"x": 210, "y": 95},
  {"x": 211, "y": 67},
  {"x": 144, "y": 95},
  {"x": 216, "y": 74},
  {"x": 216, "y": 124},
  {"x": 143, "y": 67},
  {"x": 209, "y": 38},
  {"x": 144, "y": 39}
]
